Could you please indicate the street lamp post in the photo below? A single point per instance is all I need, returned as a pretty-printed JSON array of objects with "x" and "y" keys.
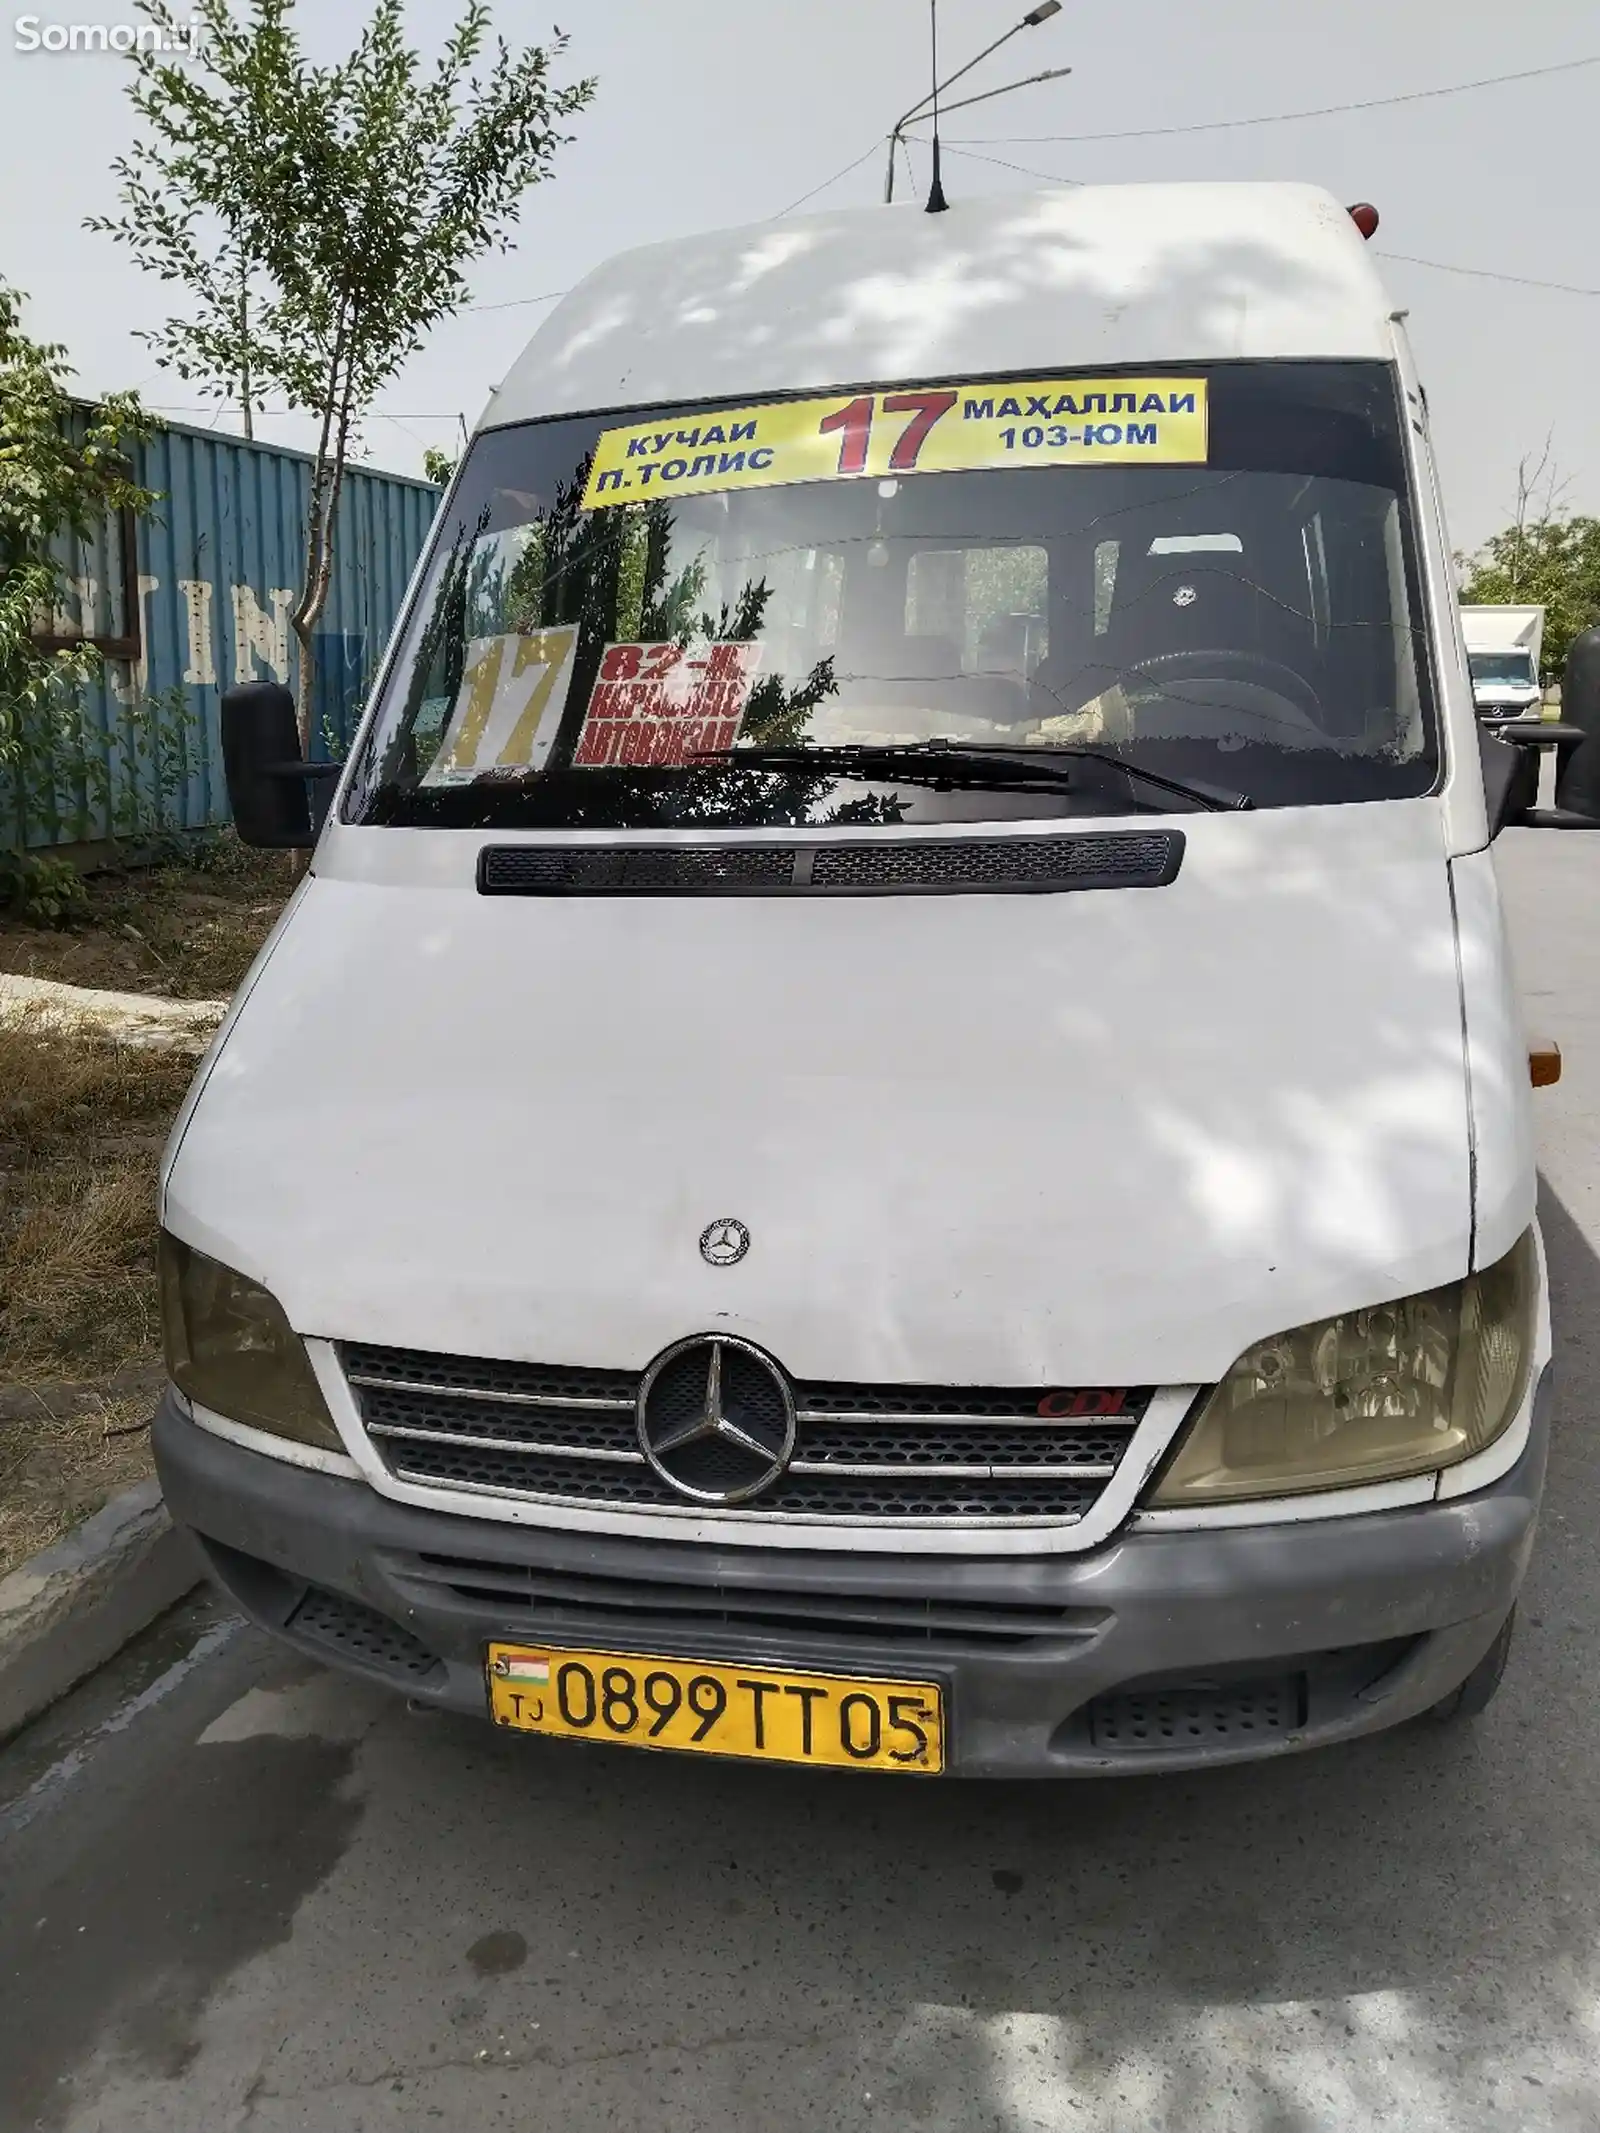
[{"x": 1031, "y": 20}]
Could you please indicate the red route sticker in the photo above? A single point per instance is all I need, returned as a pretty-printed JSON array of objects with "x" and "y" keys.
[{"x": 661, "y": 705}]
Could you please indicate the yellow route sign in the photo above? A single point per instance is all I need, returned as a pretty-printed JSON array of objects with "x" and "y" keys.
[{"x": 944, "y": 429}]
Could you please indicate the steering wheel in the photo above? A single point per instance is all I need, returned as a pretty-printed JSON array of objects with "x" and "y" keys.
[{"x": 1232, "y": 665}]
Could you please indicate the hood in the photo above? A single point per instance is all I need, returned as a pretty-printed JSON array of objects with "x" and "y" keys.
[{"x": 1100, "y": 1138}]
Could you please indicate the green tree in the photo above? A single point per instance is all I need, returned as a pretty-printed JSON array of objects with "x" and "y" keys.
[
  {"x": 194, "y": 230},
  {"x": 61, "y": 471},
  {"x": 437, "y": 467},
  {"x": 346, "y": 200},
  {"x": 1554, "y": 562}
]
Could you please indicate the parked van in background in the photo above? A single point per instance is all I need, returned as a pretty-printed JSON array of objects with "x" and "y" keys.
[
  {"x": 892, "y": 1128},
  {"x": 1503, "y": 647}
]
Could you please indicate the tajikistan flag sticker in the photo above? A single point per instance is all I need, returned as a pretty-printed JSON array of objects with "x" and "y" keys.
[{"x": 528, "y": 1668}]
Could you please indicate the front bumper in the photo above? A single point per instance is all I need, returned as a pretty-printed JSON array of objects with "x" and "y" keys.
[{"x": 1163, "y": 1650}]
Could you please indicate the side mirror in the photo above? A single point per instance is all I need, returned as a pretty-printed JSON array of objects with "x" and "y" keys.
[
  {"x": 268, "y": 778},
  {"x": 1578, "y": 759},
  {"x": 1510, "y": 779},
  {"x": 1509, "y": 752}
]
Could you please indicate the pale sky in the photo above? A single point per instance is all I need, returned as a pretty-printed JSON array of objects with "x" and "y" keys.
[{"x": 720, "y": 111}]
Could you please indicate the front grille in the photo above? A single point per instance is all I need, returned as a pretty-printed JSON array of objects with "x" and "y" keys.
[
  {"x": 882, "y": 1453},
  {"x": 489, "y": 1426},
  {"x": 578, "y": 1606},
  {"x": 897, "y": 1442},
  {"x": 905, "y": 866}
]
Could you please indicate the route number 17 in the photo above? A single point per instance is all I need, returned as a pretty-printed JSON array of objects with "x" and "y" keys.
[{"x": 854, "y": 424}]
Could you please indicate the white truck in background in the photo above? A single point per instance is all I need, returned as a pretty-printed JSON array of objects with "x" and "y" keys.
[{"x": 1503, "y": 645}]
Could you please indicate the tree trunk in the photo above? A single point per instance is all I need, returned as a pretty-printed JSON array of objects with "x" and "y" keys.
[
  {"x": 303, "y": 621},
  {"x": 319, "y": 523},
  {"x": 304, "y": 636},
  {"x": 299, "y": 862},
  {"x": 327, "y": 474},
  {"x": 244, "y": 352},
  {"x": 313, "y": 591}
]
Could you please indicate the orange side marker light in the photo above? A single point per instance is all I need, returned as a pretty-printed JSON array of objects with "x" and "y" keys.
[{"x": 1544, "y": 1062}]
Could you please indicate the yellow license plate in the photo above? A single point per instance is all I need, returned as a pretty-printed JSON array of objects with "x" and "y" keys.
[{"x": 635, "y": 1701}]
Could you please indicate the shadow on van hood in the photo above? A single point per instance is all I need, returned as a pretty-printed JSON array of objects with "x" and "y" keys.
[{"x": 1099, "y": 1138}]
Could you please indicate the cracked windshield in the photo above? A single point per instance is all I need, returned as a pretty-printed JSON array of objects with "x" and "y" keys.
[{"x": 921, "y": 604}]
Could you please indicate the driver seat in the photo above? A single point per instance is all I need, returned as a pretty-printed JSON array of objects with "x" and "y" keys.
[
  {"x": 1203, "y": 591},
  {"x": 1179, "y": 597}
]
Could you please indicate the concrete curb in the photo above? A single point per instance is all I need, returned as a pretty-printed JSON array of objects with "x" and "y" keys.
[
  {"x": 135, "y": 1018},
  {"x": 69, "y": 1608}
]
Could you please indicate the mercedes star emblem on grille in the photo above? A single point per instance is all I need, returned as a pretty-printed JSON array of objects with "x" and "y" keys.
[
  {"x": 716, "y": 1419},
  {"x": 724, "y": 1242}
]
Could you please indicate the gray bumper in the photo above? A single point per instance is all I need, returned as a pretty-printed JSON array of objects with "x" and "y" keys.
[{"x": 1155, "y": 1651}]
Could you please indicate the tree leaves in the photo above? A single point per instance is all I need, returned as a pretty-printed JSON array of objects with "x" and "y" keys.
[
  {"x": 320, "y": 219},
  {"x": 59, "y": 476},
  {"x": 1554, "y": 562}
]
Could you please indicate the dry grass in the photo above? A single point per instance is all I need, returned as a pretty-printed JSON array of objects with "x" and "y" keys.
[
  {"x": 75, "y": 1272},
  {"x": 59, "y": 1089},
  {"x": 58, "y": 1469},
  {"x": 82, "y": 1123}
]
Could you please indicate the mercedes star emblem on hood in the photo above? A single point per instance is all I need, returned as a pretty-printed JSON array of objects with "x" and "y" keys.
[{"x": 724, "y": 1242}]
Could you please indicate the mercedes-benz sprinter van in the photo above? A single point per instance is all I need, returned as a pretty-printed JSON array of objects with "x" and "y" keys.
[{"x": 891, "y": 1128}]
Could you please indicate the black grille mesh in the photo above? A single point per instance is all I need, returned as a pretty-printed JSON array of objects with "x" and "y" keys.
[
  {"x": 467, "y": 1373},
  {"x": 996, "y": 1402},
  {"x": 1157, "y": 1721},
  {"x": 893, "y": 1442},
  {"x": 999, "y": 863},
  {"x": 554, "y": 870},
  {"x": 511, "y": 1473},
  {"x": 592, "y": 1602},
  {"x": 559, "y": 1451},
  {"x": 361, "y": 1634},
  {"x": 584, "y": 1428},
  {"x": 818, "y": 1495},
  {"x": 908, "y": 866},
  {"x": 928, "y": 1496}
]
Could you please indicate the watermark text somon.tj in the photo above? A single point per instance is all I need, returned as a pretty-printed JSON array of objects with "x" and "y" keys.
[{"x": 32, "y": 33}]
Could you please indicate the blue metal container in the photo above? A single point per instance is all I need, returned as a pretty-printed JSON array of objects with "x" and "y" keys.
[{"x": 197, "y": 596}]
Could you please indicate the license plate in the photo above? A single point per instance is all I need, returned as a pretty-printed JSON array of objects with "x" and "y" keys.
[{"x": 635, "y": 1701}]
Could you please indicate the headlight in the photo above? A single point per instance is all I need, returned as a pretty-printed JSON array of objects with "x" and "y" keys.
[
  {"x": 1371, "y": 1396},
  {"x": 229, "y": 1347}
]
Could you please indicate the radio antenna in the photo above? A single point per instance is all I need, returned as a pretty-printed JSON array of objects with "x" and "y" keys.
[{"x": 937, "y": 203}]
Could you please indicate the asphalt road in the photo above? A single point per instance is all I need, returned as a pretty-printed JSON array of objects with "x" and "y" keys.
[{"x": 241, "y": 1894}]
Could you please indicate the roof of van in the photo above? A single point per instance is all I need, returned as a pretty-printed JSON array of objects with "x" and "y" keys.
[{"x": 1038, "y": 281}]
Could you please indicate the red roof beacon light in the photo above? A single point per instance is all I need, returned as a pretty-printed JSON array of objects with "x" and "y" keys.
[{"x": 1365, "y": 217}]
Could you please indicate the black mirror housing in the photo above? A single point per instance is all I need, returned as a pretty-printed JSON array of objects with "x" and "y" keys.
[
  {"x": 1578, "y": 762},
  {"x": 265, "y": 771},
  {"x": 1510, "y": 753},
  {"x": 1510, "y": 779}
]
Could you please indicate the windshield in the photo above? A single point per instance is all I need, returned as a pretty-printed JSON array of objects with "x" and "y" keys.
[
  {"x": 1512, "y": 670},
  {"x": 1223, "y": 592}
]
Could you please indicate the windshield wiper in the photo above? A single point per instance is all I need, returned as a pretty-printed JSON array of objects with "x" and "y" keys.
[
  {"x": 1221, "y": 799},
  {"x": 946, "y": 762}
]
